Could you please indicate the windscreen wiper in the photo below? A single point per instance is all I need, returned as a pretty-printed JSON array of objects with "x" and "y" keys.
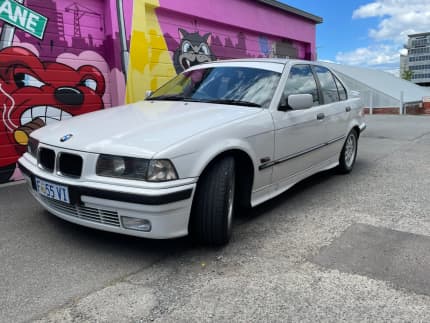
[
  {"x": 173, "y": 98},
  {"x": 166, "y": 98},
  {"x": 235, "y": 102},
  {"x": 217, "y": 101}
]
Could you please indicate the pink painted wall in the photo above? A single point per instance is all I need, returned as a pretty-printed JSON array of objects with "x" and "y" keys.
[{"x": 246, "y": 15}]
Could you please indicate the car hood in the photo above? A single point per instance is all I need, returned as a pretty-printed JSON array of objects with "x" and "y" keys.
[{"x": 140, "y": 129}]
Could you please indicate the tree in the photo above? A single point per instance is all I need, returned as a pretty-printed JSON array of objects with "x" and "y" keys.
[{"x": 407, "y": 75}]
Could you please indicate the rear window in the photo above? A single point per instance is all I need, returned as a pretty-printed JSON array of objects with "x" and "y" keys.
[{"x": 328, "y": 84}]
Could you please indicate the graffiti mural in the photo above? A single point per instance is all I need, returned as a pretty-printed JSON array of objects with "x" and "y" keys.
[
  {"x": 56, "y": 72},
  {"x": 32, "y": 95},
  {"x": 193, "y": 49},
  {"x": 169, "y": 36},
  {"x": 61, "y": 58}
]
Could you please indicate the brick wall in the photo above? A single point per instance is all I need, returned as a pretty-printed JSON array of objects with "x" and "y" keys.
[{"x": 411, "y": 110}]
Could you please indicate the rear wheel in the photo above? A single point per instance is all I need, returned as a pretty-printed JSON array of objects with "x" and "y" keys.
[
  {"x": 213, "y": 204},
  {"x": 349, "y": 153}
]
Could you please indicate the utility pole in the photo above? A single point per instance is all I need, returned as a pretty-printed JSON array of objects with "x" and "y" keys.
[{"x": 122, "y": 37}]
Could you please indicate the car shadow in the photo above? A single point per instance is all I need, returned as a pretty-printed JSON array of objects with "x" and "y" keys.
[
  {"x": 299, "y": 188},
  {"x": 82, "y": 237}
]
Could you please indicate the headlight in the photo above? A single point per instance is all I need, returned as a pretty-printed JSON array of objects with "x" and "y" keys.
[
  {"x": 32, "y": 146},
  {"x": 157, "y": 170},
  {"x": 161, "y": 170}
]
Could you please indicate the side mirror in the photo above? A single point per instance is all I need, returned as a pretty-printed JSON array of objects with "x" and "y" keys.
[
  {"x": 283, "y": 105},
  {"x": 300, "y": 101},
  {"x": 148, "y": 93}
]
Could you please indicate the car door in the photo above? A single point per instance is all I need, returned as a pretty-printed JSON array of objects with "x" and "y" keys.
[
  {"x": 336, "y": 109},
  {"x": 299, "y": 134}
]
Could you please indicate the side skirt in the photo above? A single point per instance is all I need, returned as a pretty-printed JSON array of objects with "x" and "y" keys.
[{"x": 270, "y": 191}]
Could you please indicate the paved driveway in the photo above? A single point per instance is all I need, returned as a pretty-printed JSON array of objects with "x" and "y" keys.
[{"x": 354, "y": 248}]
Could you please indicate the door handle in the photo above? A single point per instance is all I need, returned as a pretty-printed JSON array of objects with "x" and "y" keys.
[
  {"x": 347, "y": 109},
  {"x": 320, "y": 116}
]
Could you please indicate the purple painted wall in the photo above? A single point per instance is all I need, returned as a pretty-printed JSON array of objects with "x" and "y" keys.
[
  {"x": 233, "y": 29},
  {"x": 247, "y": 15}
]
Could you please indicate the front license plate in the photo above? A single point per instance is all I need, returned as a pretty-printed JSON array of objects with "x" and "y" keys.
[{"x": 53, "y": 191}]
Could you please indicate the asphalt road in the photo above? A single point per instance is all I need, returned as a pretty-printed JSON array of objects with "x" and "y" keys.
[{"x": 336, "y": 247}]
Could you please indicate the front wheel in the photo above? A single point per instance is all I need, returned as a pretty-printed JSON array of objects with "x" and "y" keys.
[
  {"x": 349, "y": 153},
  {"x": 213, "y": 204}
]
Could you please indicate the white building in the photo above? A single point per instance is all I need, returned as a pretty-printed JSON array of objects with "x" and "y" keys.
[
  {"x": 418, "y": 58},
  {"x": 379, "y": 89}
]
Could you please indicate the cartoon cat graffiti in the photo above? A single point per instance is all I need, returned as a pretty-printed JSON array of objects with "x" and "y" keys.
[
  {"x": 193, "y": 49},
  {"x": 34, "y": 93}
]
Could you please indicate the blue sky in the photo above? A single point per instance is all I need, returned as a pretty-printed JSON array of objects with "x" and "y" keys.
[{"x": 369, "y": 33}]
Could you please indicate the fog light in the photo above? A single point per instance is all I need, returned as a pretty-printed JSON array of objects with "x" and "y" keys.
[{"x": 136, "y": 224}]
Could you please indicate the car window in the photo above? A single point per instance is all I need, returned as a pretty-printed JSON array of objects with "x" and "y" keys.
[
  {"x": 341, "y": 89},
  {"x": 222, "y": 85},
  {"x": 301, "y": 81},
  {"x": 328, "y": 84}
]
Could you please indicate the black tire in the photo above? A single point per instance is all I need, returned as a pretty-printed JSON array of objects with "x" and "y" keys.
[
  {"x": 349, "y": 153},
  {"x": 213, "y": 204}
]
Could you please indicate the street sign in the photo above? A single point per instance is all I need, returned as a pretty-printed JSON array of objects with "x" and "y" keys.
[{"x": 23, "y": 18}]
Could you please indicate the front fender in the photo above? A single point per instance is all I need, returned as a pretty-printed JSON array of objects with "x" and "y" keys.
[
  {"x": 252, "y": 135},
  {"x": 193, "y": 164}
]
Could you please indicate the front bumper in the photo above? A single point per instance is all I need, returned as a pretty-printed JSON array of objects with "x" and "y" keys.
[{"x": 103, "y": 206}]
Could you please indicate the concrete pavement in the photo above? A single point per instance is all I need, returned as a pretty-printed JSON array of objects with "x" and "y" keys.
[{"x": 286, "y": 262}]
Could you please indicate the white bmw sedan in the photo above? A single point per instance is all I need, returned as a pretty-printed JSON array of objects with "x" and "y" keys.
[{"x": 217, "y": 138}]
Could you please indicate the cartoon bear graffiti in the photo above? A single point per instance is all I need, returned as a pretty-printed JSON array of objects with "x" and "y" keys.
[{"x": 34, "y": 93}]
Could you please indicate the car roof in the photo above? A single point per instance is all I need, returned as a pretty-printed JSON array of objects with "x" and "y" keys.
[
  {"x": 283, "y": 61},
  {"x": 273, "y": 64}
]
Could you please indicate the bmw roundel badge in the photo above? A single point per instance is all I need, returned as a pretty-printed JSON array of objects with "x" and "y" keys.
[{"x": 66, "y": 137}]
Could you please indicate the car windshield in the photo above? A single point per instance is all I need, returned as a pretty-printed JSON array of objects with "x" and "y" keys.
[{"x": 242, "y": 86}]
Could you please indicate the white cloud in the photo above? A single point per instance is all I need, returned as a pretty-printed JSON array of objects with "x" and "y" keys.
[
  {"x": 396, "y": 19},
  {"x": 369, "y": 56},
  {"x": 399, "y": 18},
  {"x": 403, "y": 51}
]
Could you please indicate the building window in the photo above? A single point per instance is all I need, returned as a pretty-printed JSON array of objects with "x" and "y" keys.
[
  {"x": 425, "y": 50},
  {"x": 421, "y": 76},
  {"x": 419, "y": 58},
  {"x": 419, "y": 67},
  {"x": 419, "y": 42}
]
